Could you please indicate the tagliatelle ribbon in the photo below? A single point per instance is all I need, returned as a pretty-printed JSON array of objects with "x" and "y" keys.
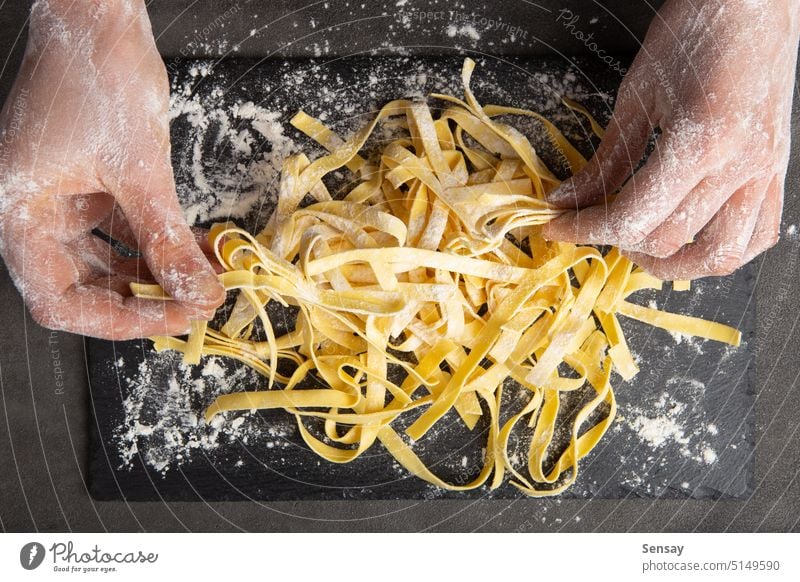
[{"x": 419, "y": 269}]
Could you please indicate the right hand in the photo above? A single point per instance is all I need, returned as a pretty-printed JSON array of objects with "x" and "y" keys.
[
  {"x": 717, "y": 79},
  {"x": 84, "y": 144}
]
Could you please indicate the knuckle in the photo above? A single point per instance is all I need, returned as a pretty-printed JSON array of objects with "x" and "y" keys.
[
  {"x": 146, "y": 172},
  {"x": 692, "y": 132},
  {"x": 724, "y": 261},
  {"x": 630, "y": 227},
  {"x": 668, "y": 248},
  {"x": 662, "y": 247},
  {"x": 628, "y": 235}
]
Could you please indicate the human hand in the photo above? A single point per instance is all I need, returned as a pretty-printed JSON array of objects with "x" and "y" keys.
[
  {"x": 717, "y": 79},
  {"x": 84, "y": 145}
]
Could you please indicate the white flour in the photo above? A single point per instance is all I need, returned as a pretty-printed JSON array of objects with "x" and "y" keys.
[
  {"x": 162, "y": 424},
  {"x": 672, "y": 420},
  {"x": 465, "y": 30},
  {"x": 229, "y": 190},
  {"x": 675, "y": 423}
]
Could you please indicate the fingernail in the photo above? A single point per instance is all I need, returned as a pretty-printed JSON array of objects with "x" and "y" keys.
[
  {"x": 212, "y": 289},
  {"x": 199, "y": 312},
  {"x": 206, "y": 314},
  {"x": 565, "y": 193},
  {"x": 203, "y": 290}
]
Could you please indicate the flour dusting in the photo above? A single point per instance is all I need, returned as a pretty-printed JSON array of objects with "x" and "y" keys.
[
  {"x": 237, "y": 151},
  {"x": 163, "y": 425}
]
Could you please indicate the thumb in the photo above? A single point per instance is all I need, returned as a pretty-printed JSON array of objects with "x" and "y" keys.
[{"x": 167, "y": 243}]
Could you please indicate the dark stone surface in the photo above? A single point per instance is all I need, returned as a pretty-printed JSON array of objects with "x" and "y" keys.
[
  {"x": 258, "y": 469},
  {"x": 206, "y": 28},
  {"x": 44, "y": 429}
]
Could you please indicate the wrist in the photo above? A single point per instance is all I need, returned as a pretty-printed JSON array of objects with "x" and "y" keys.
[
  {"x": 85, "y": 24},
  {"x": 83, "y": 4},
  {"x": 777, "y": 14},
  {"x": 82, "y": 11}
]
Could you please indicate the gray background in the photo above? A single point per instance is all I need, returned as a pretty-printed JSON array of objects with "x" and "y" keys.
[{"x": 43, "y": 433}]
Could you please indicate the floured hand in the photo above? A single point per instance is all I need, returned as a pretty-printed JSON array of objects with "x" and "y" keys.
[
  {"x": 86, "y": 138},
  {"x": 716, "y": 78}
]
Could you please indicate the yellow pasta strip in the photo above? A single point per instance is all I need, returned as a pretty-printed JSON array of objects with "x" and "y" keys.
[
  {"x": 681, "y": 285},
  {"x": 575, "y": 106},
  {"x": 682, "y": 323},
  {"x": 417, "y": 301}
]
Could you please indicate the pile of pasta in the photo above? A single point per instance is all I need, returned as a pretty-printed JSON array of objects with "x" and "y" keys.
[{"x": 420, "y": 268}]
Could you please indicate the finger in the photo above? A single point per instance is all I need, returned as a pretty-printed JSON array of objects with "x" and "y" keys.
[
  {"x": 116, "y": 227},
  {"x": 168, "y": 244},
  {"x": 692, "y": 214},
  {"x": 103, "y": 312},
  {"x": 653, "y": 193},
  {"x": 103, "y": 259},
  {"x": 617, "y": 157},
  {"x": 768, "y": 224},
  {"x": 720, "y": 247},
  {"x": 120, "y": 284},
  {"x": 48, "y": 275}
]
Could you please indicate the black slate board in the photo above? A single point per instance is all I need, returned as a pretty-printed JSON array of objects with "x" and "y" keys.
[{"x": 711, "y": 384}]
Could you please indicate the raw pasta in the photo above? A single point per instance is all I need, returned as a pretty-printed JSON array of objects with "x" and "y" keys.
[{"x": 419, "y": 268}]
